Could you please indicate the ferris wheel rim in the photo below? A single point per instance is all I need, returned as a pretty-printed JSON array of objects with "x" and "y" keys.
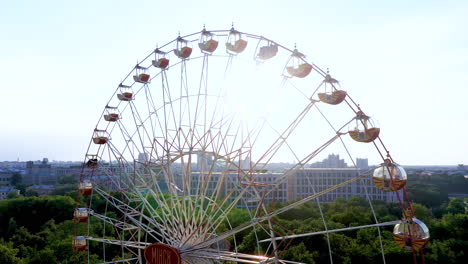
[{"x": 252, "y": 36}]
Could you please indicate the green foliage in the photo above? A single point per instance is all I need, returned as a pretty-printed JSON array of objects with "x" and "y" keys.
[
  {"x": 16, "y": 179},
  {"x": 8, "y": 254},
  {"x": 67, "y": 179},
  {"x": 301, "y": 254},
  {"x": 33, "y": 212},
  {"x": 40, "y": 230},
  {"x": 427, "y": 194},
  {"x": 456, "y": 206}
]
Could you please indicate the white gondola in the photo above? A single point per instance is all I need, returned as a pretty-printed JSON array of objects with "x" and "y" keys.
[
  {"x": 111, "y": 114},
  {"x": 79, "y": 243},
  {"x": 266, "y": 51},
  {"x": 126, "y": 93},
  {"x": 81, "y": 215},
  {"x": 100, "y": 137},
  {"x": 85, "y": 187}
]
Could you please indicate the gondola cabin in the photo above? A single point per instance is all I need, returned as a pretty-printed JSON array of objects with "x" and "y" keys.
[
  {"x": 235, "y": 44},
  {"x": 411, "y": 234},
  {"x": 125, "y": 93},
  {"x": 79, "y": 243},
  {"x": 183, "y": 49},
  {"x": 363, "y": 129},
  {"x": 85, "y": 187},
  {"x": 100, "y": 137},
  {"x": 92, "y": 163},
  {"x": 161, "y": 59},
  {"x": 267, "y": 52},
  {"x": 331, "y": 95},
  {"x": 296, "y": 65},
  {"x": 111, "y": 114},
  {"x": 141, "y": 75},
  {"x": 389, "y": 177},
  {"x": 207, "y": 43},
  {"x": 80, "y": 215}
]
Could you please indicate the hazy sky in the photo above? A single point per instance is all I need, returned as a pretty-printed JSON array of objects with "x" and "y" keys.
[{"x": 405, "y": 62}]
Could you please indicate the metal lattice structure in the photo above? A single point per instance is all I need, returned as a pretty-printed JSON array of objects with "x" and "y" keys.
[{"x": 191, "y": 134}]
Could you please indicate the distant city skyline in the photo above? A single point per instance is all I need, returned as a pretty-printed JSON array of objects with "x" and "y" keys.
[{"x": 404, "y": 62}]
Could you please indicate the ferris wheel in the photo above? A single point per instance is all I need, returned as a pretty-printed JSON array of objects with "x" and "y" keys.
[{"x": 193, "y": 135}]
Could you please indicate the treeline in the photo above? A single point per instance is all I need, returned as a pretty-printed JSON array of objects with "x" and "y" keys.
[{"x": 40, "y": 230}]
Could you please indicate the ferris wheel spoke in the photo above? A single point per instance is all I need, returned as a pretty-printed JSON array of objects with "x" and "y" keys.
[
  {"x": 119, "y": 224},
  {"x": 132, "y": 214},
  {"x": 330, "y": 231},
  {"x": 273, "y": 149},
  {"x": 129, "y": 260},
  {"x": 228, "y": 256},
  {"x": 130, "y": 244}
]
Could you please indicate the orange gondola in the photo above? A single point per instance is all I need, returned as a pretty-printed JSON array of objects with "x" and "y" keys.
[
  {"x": 296, "y": 65},
  {"x": 364, "y": 130},
  {"x": 332, "y": 95}
]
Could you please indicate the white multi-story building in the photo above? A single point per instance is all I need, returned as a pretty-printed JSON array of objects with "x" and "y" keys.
[
  {"x": 308, "y": 181},
  {"x": 266, "y": 187}
]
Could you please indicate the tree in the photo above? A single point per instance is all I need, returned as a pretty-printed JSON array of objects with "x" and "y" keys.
[
  {"x": 16, "y": 179},
  {"x": 300, "y": 253},
  {"x": 8, "y": 253},
  {"x": 456, "y": 206},
  {"x": 66, "y": 179}
]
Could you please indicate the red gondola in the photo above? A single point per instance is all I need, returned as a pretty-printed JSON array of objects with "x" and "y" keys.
[
  {"x": 183, "y": 49},
  {"x": 161, "y": 59},
  {"x": 207, "y": 43}
]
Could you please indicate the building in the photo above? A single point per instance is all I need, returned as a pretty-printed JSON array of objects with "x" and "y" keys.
[
  {"x": 266, "y": 187},
  {"x": 333, "y": 161},
  {"x": 308, "y": 181},
  {"x": 362, "y": 163},
  {"x": 5, "y": 177},
  {"x": 39, "y": 173}
]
